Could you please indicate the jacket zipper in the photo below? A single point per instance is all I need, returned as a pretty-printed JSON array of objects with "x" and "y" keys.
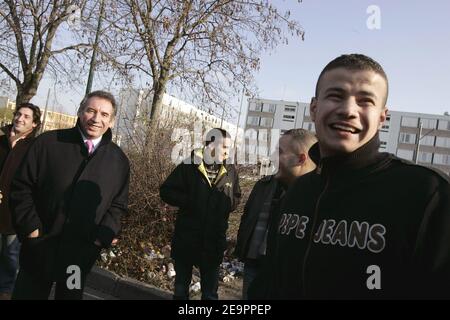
[{"x": 311, "y": 238}]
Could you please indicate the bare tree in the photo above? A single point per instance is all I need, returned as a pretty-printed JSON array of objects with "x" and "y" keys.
[
  {"x": 33, "y": 33},
  {"x": 209, "y": 48}
]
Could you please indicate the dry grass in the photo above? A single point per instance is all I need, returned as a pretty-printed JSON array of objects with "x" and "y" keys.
[{"x": 148, "y": 228}]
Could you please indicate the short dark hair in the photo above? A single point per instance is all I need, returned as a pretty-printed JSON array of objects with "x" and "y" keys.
[
  {"x": 303, "y": 138},
  {"x": 99, "y": 94},
  {"x": 214, "y": 133},
  {"x": 355, "y": 62},
  {"x": 36, "y": 114}
]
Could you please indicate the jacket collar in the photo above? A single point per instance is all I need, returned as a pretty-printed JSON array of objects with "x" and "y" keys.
[
  {"x": 6, "y": 131},
  {"x": 348, "y": 164},
  {"x": 197, "y": 158}
]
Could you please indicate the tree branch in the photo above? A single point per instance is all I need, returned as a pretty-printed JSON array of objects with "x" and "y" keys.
[{"x": 9, "y": 73}]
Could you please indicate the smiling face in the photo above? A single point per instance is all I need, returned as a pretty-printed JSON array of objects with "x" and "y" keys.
[
  {"x": 96, "y": 117},
  {"x": 23, "y": 120},
  {"x": 348, "y": 110}
]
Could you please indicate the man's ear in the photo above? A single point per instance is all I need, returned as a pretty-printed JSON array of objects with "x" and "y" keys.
[
  {"x": 383, "y": 116},
  {"x": 313, "y": 108},
  {"x": 302, "y": 159}
]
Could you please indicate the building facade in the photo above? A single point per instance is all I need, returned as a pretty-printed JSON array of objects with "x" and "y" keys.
[
  {"x": 136, "y": 104},
  {"x": 52, "y": 120},
  {"x": 7, "y": 107},
  {"x": 418, "y": 137}
]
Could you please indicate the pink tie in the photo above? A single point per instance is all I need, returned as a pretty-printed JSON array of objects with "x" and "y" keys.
[{"x": 90, "y": 146}]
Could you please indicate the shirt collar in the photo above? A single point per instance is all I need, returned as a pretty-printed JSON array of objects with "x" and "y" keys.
[{"x": 95, "y": 141}]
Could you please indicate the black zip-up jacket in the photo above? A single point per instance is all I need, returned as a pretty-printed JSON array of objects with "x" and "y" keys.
[
  {"x": 202, "y": 220},
  {"x": 368, "y": 226}
]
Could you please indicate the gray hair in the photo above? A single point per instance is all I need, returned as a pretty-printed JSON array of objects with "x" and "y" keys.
[{"x": 99, "y": 94}]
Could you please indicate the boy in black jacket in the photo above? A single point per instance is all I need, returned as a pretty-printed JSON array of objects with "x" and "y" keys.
[
  {"x": 206, "y": 189},
  {"x": 369, "y": 225},
  {"x": 258, "y": 222}
]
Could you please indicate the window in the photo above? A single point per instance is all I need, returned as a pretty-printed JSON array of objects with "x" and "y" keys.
[
  {"x": 425, "y": 157},
  {"x": 429, "y": 123},
  {"x": 443, "y": 159},
  {"x": 385, "y": 128},
  {"x": 407, "y": 138},
  {"x": 427, "y": 141},
  {"x": 269, "y": 107},
  {"x": 444, "y": 125},
  {"x": 388, "y": 118},
  {"x": 410, "y": 122},
  {"x": 254, "y": 121},
  {"x": 308, "y": 126},
  {"x": 405, "y": 154},
  {"x": 307, "y": 112},
  {"x": 266, "y": 122},
  {"x": 262, "y": 135},
  {"x": 255, "y": 106},
  {"x": 288, "y": 118},
  {"x": 289, "y": 109},
  {"x": 442, "y": 142},
  {"x": 251, "y": 134},
  {"x": 251, "y": 148}
]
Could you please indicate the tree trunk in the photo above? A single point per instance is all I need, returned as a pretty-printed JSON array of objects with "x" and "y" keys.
[
  {"x": 25, "y": 94},
  {"x": 155, "y": 113},
  {"x": 158, "y": 95},
  {"x": 28, "y": 89}
]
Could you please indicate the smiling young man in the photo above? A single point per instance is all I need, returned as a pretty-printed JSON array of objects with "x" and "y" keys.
[
  {"x": 14, "y": 144},
  {"x": 365, "y": 225},
  {"x": 67, "y": 201}
]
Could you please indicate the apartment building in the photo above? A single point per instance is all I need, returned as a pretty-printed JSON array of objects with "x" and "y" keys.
[
  {"x": 137, "y": 103},
  {"x": 418, "y": 137}
]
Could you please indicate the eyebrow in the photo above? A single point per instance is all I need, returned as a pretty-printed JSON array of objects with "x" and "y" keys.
[
  {"x": 367, "y": 94},
  {"x": 335, "y": 89},
  {"x": 342, "y": 91}
]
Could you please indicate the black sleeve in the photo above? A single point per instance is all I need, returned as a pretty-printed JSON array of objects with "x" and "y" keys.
[
  {"x": 110, "y": 225},
  {"x": 433, "y": 246},
  {"x": 236, "y": 191},
  {"x": 21, "y": 199},
  {"x": 174, "y": 191},
  {"x": 250, "y": 200},
  {"x": 239, "y": 239}
]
